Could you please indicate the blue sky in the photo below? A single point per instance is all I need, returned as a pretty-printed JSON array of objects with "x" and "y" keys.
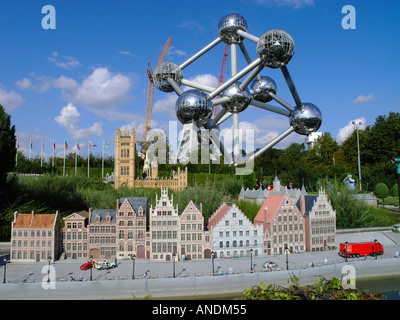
[{"x": 84, "y": 79}]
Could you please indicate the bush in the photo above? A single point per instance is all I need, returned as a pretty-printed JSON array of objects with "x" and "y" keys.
[
  {"x": 381, "y": 190},
  {"x": 323, "y": 289},
  {"x": 395, "y": 190}
]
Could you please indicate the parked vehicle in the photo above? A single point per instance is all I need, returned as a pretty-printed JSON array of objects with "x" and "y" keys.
[
  {"x": 357, "y": 249},
  {"x": 104, "y": 264},
  {"x": 270, "y": 264},
  {"x": 86, "y": 266}
]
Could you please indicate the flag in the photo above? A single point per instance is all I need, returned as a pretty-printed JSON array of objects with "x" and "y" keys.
[
  {"x": 106, "y": 144},
  {"x": 141, "y": 155},
  {"x": 78, "y": 147},
  {"x": 91, "y": 144},
  {"x": 31, "y": 143},
  {"x": 66, "y": 145},
  {"x": 54, "y": 145},
  {"x": 17, "y": 144}
]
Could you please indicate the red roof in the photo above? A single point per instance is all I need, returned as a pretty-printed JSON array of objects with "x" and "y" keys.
[
  {"x": 35, "y": 221},
  {"x": 218, "y": 215},
  {"x": 271, "y": 203}
]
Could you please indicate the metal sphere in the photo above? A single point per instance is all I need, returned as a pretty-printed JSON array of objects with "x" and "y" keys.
[
  {"x": 275, "y": 48},
  {"x": 229, "y": 25},
  {"x": 306, "y": 119},
  {"x": 261, "y": 88},
  {"x": 164, "y": 71},
  {"x": 193, "y": 105},
  {"x": 239, "y": 100}
]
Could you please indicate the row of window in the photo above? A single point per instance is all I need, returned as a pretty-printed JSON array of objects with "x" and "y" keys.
[
  {"x": 140, "y": 234},
  {"x": 287, "y": 227},
  {"x": 235, "y": 233},
  {"x": 74, "y": 225},
  {"x": 163, "y": 246},
  {"x": 19, "y": 254},
  {"x": 235, "y": 244},
  {"x": 322, "y": 230},
  {"x": 129, "y": 223},
  {"x": 191, "y": 226},
  {"x": 33, "y": 243},
  {"x": 191, "y": 236},
  {"x": 74, "y": 235},
  {"x": 164, "y": 223},
  {"x": 164, "y": 235},
  {"x": 102, "y": 229},
  {"x": 76, "y": 247},
  {"x": 37, "y": 233},
  {"x": 281, "y": 239},
  {"x": 130, "y": 213}
]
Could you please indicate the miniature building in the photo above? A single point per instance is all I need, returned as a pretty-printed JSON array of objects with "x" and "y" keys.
[
  {"x": 195, "y": 242},
  {"x": 125, "y": 148},
  {"x": 233, "y": 234},
  {"x": 102, "y": 233},
  {"x": 165, "y": 228},
  {"x": 35, "y": 237},
  {"x": 75, "y": 235},
  {"x": 131, "y": 227},
  {"x": 320, "y": 221},
  {"x": 124, "y": 162},
  {"x": 284, "y": 225}
]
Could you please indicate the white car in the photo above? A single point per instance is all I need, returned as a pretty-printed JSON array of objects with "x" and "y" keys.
[{"x": 269, "y": 264}]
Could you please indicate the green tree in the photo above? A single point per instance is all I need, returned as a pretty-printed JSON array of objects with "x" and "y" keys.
[
  {"x": 7, "y": 147},
  {"x": 381, "y": 191},
  {"x": 321, "y": 156}
]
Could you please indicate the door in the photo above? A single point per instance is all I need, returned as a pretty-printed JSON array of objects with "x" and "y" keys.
[
  {"x": 37, "y": 257},
  {"x": 141, "y": 252}
]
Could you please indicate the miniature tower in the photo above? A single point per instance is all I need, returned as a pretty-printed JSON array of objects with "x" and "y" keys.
[{"x": 125, "y": 148}]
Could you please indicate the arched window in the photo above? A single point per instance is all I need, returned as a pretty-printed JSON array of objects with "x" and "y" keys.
[
  {"x": 221, "y": 244},
  {"x": 234, "y": 244},
  {"x": 227, "y": 244}
]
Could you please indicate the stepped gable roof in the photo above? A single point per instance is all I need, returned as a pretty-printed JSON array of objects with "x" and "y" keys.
[
  {"x": 32, "y": 220},
  {"x": 103, "y": 214},
  {"x": 136, "y": 203},
  {"x": 271, "y": 203},
  {"x": 218, "y": 215}
]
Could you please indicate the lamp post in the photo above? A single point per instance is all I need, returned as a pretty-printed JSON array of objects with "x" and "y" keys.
[
  {"x": 173, "y": 265},
  {"x": 133, "y": 267},
  {"x": 251, "y": 260},
  {"x": 212, "y": 260},
  {"x": 48, "y": 270},
  {"x": 5, "y": 268},
  {"x": 287, "y": 258},
  {"x": 396, "y": 162},
  {"x": 345, "y": 252},
  {"x": 91, "y": 267},
  {"x": 358, "y": 123},
  {"x": 376, "y": 249}
]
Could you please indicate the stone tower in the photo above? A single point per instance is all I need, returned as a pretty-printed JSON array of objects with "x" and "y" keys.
[{"x": 125, "y": 149}]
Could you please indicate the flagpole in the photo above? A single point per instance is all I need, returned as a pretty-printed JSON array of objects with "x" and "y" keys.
[
  {"x": 102, "y": 161},
  {"x": 16, "y": 154},
  {"x": 64, "y": 159},
  {"x": 41, "y": 154},
  {"x": 30, "y": 149},
  {"x": 76, "y": 155},
  {"x": 54, "y": 147},
  {"x": 88, "y": 159}
]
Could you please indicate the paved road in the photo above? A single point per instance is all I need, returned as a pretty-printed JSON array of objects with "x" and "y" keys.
[{"x": 32, "y": 272}]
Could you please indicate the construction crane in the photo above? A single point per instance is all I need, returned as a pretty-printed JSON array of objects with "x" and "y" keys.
[
  {"x": 150, "y": 93},
  {"x": 221, "y": 77}
]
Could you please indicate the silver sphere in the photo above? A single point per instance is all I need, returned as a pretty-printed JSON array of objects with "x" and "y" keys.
[
  {"x": 306, "y": 120},
  {"x": 193, "y": 105},
  {"x": 164, "y": 71},
  {"x": 275, "y": 48},
  {"x": 239, "y": 100},
  {"x": 261, "y": 88},
  {"x": 229, "y": 25}
]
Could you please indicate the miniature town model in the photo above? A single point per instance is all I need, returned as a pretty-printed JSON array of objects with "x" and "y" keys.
[{"x": 163, "y": 233}]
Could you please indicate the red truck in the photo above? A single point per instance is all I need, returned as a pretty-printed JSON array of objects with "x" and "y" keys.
[{"x": 357, "y": 249}]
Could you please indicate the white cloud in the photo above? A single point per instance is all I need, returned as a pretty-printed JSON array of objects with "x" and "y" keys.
[
  {"x": 346, "y": 131},
  {"x": 103, "y": 89},
  {"x": 69, "y": 119},
  {"x": 66, "y": 62},
  {"x": 64, "y": 83},
  {"x": 205, "y": 79},
  {"x": 362, "y": 99},
  {"x": 166, "y": 106},
  {"x": 10, "y": 100},
  {"x": 25, "y": 83},
  {"x": 295, "y": 4}
]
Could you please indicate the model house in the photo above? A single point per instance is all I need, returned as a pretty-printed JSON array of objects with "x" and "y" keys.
[
  {"x": 283, "y": 225},
  {"x": 75, "y": 236},
  {"x": 233, "y": 234},
  {"x": 35, "y": 237}
]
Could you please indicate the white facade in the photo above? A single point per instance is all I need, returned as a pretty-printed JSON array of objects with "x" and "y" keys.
[{"x": 233, "y": 234}]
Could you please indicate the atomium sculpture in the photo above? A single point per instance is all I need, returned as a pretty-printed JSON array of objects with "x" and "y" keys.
[{"x": 194, "y": 108}]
